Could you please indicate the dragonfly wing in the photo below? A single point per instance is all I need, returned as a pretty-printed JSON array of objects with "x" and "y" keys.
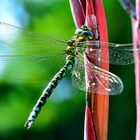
[
  {"x": 29, "y": 56},
  {"x": 16, "y": 38},
  {"x": 118, "y": 54},
  {"x": 30, "y": 67},
  {"x": 78, "y": 74},
  {"x": 101, "y": 81}
]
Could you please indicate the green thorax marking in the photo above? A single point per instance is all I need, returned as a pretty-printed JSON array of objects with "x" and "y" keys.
[{"x": 82, "y": 34}]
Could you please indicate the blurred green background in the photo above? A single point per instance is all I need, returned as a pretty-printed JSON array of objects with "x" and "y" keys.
[{"x": 63, "y": 116}]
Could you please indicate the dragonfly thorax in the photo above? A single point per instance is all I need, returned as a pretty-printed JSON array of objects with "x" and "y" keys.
[
  {"x": 83, "y": 33},
  {"x": 70, "y": 50}
]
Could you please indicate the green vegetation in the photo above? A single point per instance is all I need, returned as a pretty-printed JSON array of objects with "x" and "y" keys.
[{"x": 63, "y": 116}]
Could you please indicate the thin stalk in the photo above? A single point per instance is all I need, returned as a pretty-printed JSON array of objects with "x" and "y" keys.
[
  {"x": 96, "y": 112},
  {"x": 136, "y": 39},
  {"x": 89, "y": 128},
  {"x": 135, "y": 17},
  {"x": 100, "y": 103},
  {"x": 77, "y": 12},
  {"x": 137, "y": 80}
]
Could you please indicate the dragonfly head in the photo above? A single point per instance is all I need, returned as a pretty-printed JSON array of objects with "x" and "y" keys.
[{"x": 84, "y": 33}]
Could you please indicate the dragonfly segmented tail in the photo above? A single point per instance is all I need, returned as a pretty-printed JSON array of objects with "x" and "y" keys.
[{"x": 48, "y": 90}]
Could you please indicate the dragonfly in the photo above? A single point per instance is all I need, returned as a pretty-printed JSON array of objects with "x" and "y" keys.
[{"x": 23, "y": 51}]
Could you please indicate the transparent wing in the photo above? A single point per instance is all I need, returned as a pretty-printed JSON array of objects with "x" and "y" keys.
[
  {"x": 29, "y": 56},
  {"x": 101, "y": 81},
  {"x": 118, "y": 54},
  {"x": 18, "y": 39},
  {"x": 30, "y": 67}
]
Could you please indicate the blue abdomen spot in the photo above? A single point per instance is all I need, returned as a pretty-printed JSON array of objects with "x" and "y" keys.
[{"x": 69, "y": 67}]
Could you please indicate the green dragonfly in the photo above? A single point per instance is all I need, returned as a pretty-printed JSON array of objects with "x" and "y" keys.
[{"x": 28, "y": 55}]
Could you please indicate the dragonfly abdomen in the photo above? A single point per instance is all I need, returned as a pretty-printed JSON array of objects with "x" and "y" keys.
[{"x": 49, "y": 89}]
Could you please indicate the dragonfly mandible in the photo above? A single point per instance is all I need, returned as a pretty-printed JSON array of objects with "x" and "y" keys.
[{"x": 36, "y": 51}]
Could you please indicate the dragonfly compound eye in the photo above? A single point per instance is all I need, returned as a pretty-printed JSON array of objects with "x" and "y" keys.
[
  {"x": 87, "y": 33},
  {"x": 83, "y": 32}
]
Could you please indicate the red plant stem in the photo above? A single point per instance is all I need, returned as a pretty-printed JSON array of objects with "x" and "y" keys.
[
  {"x": 101, "y": 102},
  {"x": 137, "y": 78},
  {"x": 96, "y": 108},
  {"x": 89, "y": 127},
  {"x": 98, "y": 103},
  {"x": 136, "y": 39},
  {"x": 135, "y": 15},
  {"x": 89, "y": 130},
  {"x": 77, "y": 12}
]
